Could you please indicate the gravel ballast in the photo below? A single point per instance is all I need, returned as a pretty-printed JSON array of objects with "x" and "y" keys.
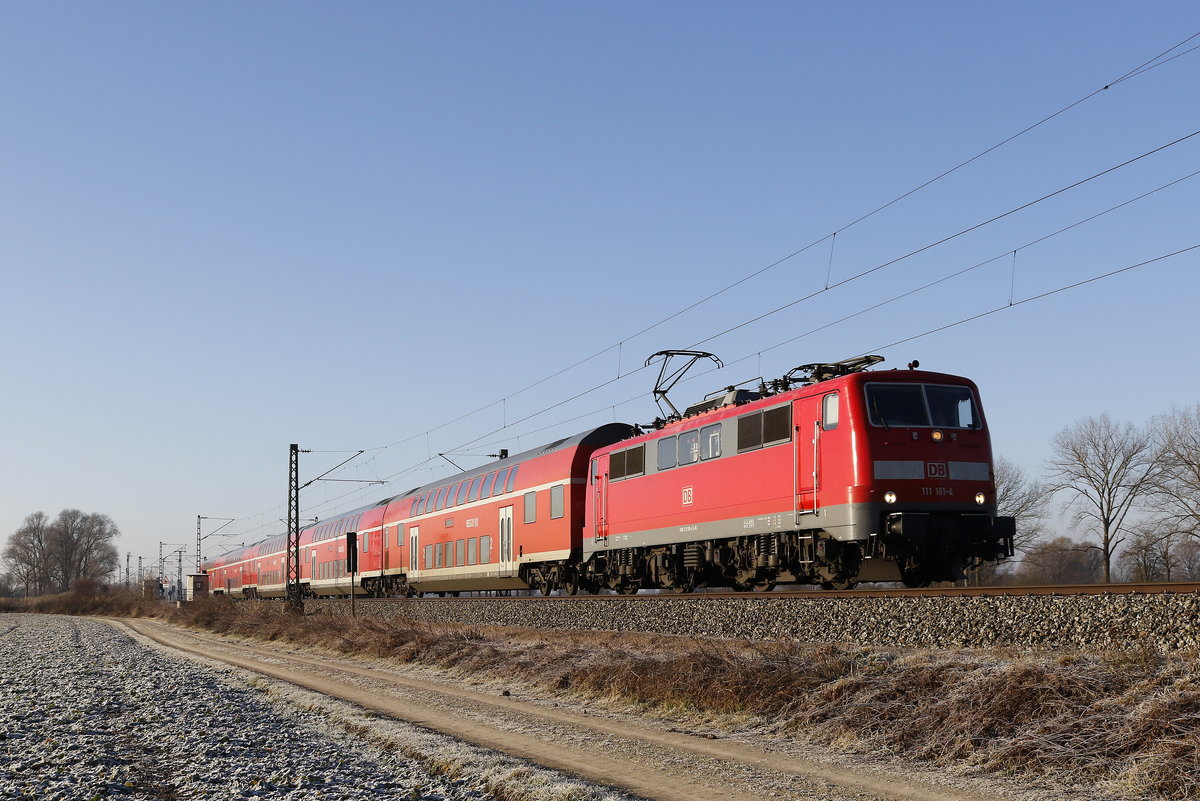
[
  {"x": 86, "y": 712},
  {"x": 1166, "y": 621}
]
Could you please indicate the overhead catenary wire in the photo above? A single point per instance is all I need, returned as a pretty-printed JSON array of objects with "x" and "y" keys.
[
  {"x": 1159, "y": 60},
  {"x": 395, "y": 476}
]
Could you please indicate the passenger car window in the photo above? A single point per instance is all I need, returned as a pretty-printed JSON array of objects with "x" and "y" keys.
[{"x": 556, "y": 501}]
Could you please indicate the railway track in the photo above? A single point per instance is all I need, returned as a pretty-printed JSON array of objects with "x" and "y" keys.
[{"x": 1147, "y": 588}]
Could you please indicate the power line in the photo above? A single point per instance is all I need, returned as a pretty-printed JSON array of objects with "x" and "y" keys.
[
  {"x": 1141, "y": 69},
  {"x": 1153, "y": 63}
]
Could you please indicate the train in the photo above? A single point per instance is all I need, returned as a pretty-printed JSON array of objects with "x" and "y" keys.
[{"x": 834, "y": 474}]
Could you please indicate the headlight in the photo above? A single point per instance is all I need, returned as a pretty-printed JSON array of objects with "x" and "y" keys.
[
  {"x": 889, "y": 497},
  {"x": 937, "y": 435},
  {"x": 980, "y": 498}
]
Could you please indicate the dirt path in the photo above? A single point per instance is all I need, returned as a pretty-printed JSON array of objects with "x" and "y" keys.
[{"x": 619, "y": 751}]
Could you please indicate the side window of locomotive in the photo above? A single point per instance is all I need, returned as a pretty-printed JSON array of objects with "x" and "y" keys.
[
  {"x": 689, "y": 447},
  {"x": 485, "y": 550},
  {"x": 500, "y": 477},
  {"x": 474, "y": 496},
  {"x": 829, "y": 412},
  {"x": 472, "y": 551},
  {"x": 441, "y": 500},
  {"x": 531, "y": 507},
  {"x": 764, "y": 428},
  {"x": 486, "y": 492},
  {"x": 512, "y": 479},
  {"x": 777, "y": 425},
  {"x": 461, "y": 498},
  {"x": 952, "y": 407},
  {"x": 616, "y": 466},
  {"x": 710, "y": 442},
  {"x": 666, "y": 453},
  {"x": 635, "y": 461},
  {"x": 428, "y": 557},
  {"x": 557, "y": 509}
]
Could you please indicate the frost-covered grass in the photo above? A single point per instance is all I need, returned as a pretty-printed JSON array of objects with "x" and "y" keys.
[{"x": 1124, "y": 720}]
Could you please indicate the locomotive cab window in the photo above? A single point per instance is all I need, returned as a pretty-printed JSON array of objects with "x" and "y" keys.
[
  {"x": 829, "y": 412},
  {"x": 921, "y": 406}
]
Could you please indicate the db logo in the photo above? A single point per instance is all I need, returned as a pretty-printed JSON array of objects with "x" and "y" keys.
[
  {"x": 936, "y": 470},
  {"x": 687, "y": 496}
]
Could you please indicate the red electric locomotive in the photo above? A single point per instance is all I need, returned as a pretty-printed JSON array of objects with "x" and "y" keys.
[
  {"x": 831, "y": 475},
  {"x": 849, "y": 476}
]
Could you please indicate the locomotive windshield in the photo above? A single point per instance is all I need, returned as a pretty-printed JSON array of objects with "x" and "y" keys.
[{"x": 921, "y": 405}]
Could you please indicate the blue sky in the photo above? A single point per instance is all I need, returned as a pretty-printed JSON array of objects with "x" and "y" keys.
[{"x": 226, "y": 227}]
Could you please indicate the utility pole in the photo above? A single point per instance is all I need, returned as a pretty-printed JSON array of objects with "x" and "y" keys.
[
  {"x": 140, "y": 580},
  {"x": 199, "y": 556},
  {"x": 127, "y": 555},
  {"x": 295, "y": 602}
]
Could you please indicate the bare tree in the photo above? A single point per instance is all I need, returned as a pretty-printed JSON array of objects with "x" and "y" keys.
[
  {"x": 1146, "y": 557},
  {"x": 1061, "y": 560},
  {"x": 1177, "y": 487},
  {"x": 1187, "y": 560},
  {"x": 28, "y": 554},
  {"x": 1019, "y": 497},
  {"x": 1022, "y": 498},
  {"x": 81, "y": 547},
  {"x": 1105, "y": 468}
]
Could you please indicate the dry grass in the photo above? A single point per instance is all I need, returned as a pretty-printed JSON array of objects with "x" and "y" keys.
[{"x": 1125, "y": 720}]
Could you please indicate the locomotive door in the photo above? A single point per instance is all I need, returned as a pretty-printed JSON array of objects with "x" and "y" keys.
[
  {"x": 806, "y": 456},
  {"x": 599, "y": 484},
  {"x": 815, "y": 417},
  {"x": 507, "y": 564}
]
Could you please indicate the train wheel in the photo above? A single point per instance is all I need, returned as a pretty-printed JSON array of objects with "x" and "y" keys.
[
  {"x": 843, "y": 584},
  {"x": 570, "y": 583},
  {"x": 629, "y": 587}
]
